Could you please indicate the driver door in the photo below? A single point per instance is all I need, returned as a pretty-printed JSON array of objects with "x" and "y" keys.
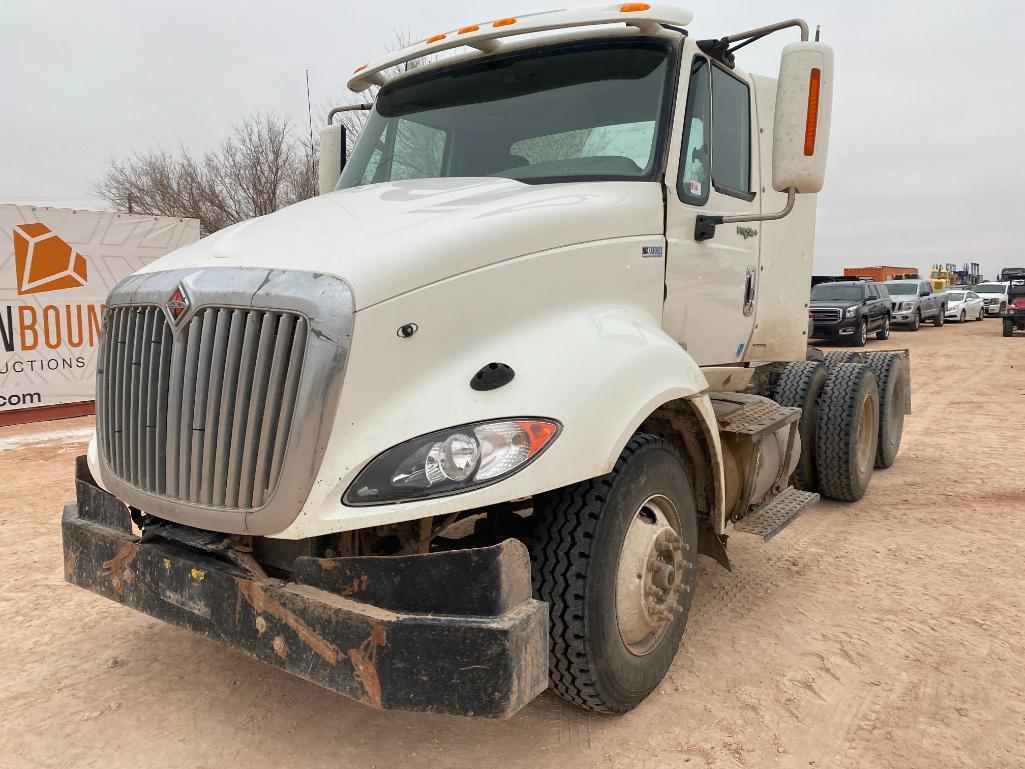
[{"x": 712, "y": 285}]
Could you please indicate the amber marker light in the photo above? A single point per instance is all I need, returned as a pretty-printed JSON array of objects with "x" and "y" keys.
[
  {"x": 814, "y": 84},
  {"x": 504, "y": 22},
  {"x": 469, "y": 29},
  {"x": 434, "y": 39},
  {"x": 634, "y": 7}
]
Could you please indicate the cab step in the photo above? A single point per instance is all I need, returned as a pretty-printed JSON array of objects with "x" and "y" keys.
[{"x": 778, "y": 513}]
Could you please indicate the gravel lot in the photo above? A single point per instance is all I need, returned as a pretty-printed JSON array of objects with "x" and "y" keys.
[{"x": 888, "y": 633}]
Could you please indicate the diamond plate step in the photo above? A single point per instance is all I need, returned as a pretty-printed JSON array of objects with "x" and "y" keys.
[
  {"x": 770, "y": 519},
  {"x": 756, "y": 419}
]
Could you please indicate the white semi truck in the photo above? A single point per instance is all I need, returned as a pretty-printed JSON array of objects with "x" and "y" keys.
[{"x": 459, "y": 427}]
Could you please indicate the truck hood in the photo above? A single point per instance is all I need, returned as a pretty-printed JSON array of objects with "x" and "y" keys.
[{"x": 387, "y": 239}]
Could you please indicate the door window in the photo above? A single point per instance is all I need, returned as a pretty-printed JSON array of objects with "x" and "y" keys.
[
  {"x": 695, "y": 165},
  {"x": 731, "y": 133},
  {"x": 716, "y": 135}
]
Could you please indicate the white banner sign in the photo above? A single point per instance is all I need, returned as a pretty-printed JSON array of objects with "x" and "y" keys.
[{"x": 56, "y": 268}]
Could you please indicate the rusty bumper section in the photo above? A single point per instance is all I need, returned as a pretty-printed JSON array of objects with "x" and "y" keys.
[{"x": 454, "y": 632}]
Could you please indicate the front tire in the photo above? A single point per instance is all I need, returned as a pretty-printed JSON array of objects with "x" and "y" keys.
[
  {"x": 615, "y": 557},
  {"x": 1008, "y": 327},
  {"x": 940, "y": 317},
  {"x": 861, "y": 335},
  {"x": 963, "y": 317},
  {"x": 916, "y": 322}
]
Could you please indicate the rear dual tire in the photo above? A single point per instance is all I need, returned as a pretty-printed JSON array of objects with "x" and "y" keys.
[
  {"x": 847, "y": 432},
  {"x": 800, "y": 384}
]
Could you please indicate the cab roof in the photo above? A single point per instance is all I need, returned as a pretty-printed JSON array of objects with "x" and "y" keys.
[{"x": 487, "y": 37}]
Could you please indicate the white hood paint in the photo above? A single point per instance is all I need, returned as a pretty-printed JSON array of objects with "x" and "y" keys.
[{"x": 387, "y": 239}]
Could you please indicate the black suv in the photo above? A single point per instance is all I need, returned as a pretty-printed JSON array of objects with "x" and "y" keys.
[{"x": 850, "y": 310}]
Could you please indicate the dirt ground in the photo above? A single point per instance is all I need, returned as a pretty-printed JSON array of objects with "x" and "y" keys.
[{"x": 888, "y": 633}]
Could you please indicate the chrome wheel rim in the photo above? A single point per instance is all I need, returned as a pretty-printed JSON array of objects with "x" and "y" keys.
[{"x": 649, "y": 575}]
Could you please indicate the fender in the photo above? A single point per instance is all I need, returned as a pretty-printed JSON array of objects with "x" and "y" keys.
[{"x": 580, "y": 356}]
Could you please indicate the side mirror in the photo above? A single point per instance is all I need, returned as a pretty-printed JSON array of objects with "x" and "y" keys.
[
  {"x": 804, "y": 101},
  {"x": 332, "y": 156}
]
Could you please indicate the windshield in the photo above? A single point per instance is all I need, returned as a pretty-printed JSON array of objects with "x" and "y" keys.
[
  {"x": 836, "y": 291},
  {"x": 990, "y": 288},
  {"x": 955, "y": 296},
  {"x": 590, "y": 111},
  {"x": 902, "y": 289}
]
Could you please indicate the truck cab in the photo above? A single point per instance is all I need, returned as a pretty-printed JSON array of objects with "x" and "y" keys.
[{"x": 459, "y": 426}]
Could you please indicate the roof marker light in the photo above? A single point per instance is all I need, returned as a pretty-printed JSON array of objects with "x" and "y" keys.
[
  {"x": 504, "y": 22},
  {"x": 433, "y": 39},
  {"x": 466, "y": 30},
  {"x": 634, "y": 7},
  {"x": 811, "y": 124},
  {"x": 359, "y": 69}
]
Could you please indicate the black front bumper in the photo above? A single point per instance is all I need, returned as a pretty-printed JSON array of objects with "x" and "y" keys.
[
  {"x": 835, "y": 329},
  {"x": 453, "y": 632}
]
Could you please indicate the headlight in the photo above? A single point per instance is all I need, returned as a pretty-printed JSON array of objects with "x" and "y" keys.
[
  {"x": 851, "y": 312},
  {"x": 907, "y": 306},
  {"x": 451, "y": 461}
]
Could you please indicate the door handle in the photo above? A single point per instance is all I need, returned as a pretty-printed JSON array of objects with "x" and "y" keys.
[{"x": 749, "y": 290}]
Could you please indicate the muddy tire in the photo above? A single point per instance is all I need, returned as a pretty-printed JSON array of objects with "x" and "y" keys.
[
  {"x": 814, "y": 354},
  {"x": 840, "y": 357},
  {"x": 894, "y": 383},
  {"x": 615, "y": 557},
  {"x": 1008, "y": 327},
  {"x": 848, "y": 432},
  {"x": 800, "y": 385}
]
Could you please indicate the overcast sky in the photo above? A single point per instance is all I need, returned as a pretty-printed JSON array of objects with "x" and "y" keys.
[{"x": 926, "y": 159}]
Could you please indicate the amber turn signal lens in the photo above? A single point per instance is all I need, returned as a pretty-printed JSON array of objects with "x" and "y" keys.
[{"x": 814, "y": 83}]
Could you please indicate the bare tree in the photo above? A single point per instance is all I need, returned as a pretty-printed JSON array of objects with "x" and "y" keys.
[{"x": 261, "y": 167}]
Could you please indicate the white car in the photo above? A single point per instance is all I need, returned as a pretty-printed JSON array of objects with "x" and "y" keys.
[
  {"x": 962, "y": 305},
  {"x": 994, "y": 295}
]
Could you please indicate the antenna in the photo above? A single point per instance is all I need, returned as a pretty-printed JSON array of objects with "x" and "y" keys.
[
  {"x": 309, "y": 110},
  {"x": 818, "y": 30}
]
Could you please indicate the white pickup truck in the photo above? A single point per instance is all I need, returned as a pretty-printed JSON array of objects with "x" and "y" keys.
[{"x": 458, "y": 428}]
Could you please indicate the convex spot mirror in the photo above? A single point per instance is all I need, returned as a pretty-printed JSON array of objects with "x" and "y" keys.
[{"x": 804, "y": 101}]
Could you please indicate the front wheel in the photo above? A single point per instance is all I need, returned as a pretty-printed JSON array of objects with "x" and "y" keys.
[
  {"x": 1008, "y": 327},
  {"x": 884, "y": 331},
  {"x": 981, "y": 312},
  {"x": 615, "y": 557},
  {"x": 861, "y": 335},
  {"x": 916, "y": 322},
  {"x": 940, "y": 317}
]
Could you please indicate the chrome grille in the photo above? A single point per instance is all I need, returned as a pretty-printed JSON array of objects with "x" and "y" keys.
[
  {"x": 825, "y": 313},
  {"x": 201, "y": 415}
]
